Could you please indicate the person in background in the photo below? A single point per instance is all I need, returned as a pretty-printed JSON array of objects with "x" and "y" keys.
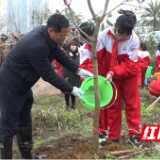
[
  {"x": 86, "y": 63},
  {"x": 57, "y": 65},
  {"x": 21, "y": 35},
  {"x": 64, "y": 46},
  {"x": 85, "y": 51},
  {"x": 158, "y": 59},
  {"x": 155, "y": 84},
  {"x": 144, "y": 60},
  {"x": 4, "y": 48},
  {"x": 71, "y": 78},
  {"x": 14, "y": 38},
  {"x": 3, "y": 39}
]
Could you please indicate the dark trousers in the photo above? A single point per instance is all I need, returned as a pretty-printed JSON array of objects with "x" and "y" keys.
[
  {"x": 15, "y": 110},
  {"x": 67, "y": 99}
]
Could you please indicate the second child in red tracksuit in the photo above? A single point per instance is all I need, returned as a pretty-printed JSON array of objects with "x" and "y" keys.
[
  {"x": 86, "y": 63},
  {"x": 144, "y": 61}
]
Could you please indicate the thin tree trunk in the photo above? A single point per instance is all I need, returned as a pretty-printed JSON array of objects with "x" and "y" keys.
[
  {"x": 98, "y": 21},
  {"x": 96, "y": 90}
]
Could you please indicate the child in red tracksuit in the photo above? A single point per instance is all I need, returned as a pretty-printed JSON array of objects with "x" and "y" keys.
[
  {"x": 158, "y": 59},
  {"x": 144, "y": 61},
  {"x": 86, "y": 50},
  {"x": 86, "y": 61},
  {"x": 117, "y": 53}
]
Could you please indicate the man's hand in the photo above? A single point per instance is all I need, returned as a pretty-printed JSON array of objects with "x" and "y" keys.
[
  {"x": 77, "y": 92},
  {"x": 108, "y": 77},
  {"x": 84, "y": 74}
]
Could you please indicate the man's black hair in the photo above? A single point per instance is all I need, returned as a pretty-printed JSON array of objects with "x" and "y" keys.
[
  {"x": 143, "y": 46},
  {"x": 125, "y": 23},
  {"x": 87, "y": 28},
  {"x": 57, "y": 22}
]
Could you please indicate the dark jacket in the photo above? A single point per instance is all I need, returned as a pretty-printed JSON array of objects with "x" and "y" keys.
[
  {"x": 31, "y": 58},
  {"x": 73, "y": 80}
]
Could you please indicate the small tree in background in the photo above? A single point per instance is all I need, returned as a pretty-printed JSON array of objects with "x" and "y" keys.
[{"x": 152, "y": 15}]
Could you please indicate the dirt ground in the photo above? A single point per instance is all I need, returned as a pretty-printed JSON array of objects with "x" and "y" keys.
[
  {"x": 74, "y": 146},
  {"x": 44, "y": 88}
]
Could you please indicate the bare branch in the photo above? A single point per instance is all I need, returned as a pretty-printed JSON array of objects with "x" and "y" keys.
[
  {"x": 91, "y": 10},
  {"x": 70, "y": 10},
  {"x": 134, "y": 6},
  {"x": 117, "y": 6},
  {"x": 70, "y": 2},
  {"x": 104, "y": 11}
]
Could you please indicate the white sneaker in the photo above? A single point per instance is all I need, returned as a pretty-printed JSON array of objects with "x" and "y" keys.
[{"x": 103, "y": 138}]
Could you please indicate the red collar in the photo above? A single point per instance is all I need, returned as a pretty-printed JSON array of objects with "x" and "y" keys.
[
  {"x": 87, "y": 46},
  {"x": 113, "y": 36}
]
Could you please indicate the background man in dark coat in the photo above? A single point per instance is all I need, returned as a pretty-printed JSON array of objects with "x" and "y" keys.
[{"x": 27, "y": 61}]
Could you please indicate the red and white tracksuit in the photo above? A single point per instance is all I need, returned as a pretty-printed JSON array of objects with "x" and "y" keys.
[
  {"x": 85, "y": 52},
  {"x": 86, "y": 63},
  {"x": 120, "y": 58},
  {"x": 157, "y": 61},
  {"x": 144, "y": 61}
]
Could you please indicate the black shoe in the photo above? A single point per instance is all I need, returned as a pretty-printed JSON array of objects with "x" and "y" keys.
[
  {"x": 103, "y": 137},
  {"x": 6, "y": 146},
  {"x": 135, "y": 141},
  {"x": 73, "y": 107},
  {"x": 116, "y": 141}
]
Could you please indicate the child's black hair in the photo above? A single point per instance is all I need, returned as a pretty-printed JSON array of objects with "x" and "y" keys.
[
  {"x": 65, "y": 46},
  {"x": 143, "y": 46},
  {"x": 73, "y": 43},
  {"x": 126, "y": 22},
  {"x": 87, "y": 28}
]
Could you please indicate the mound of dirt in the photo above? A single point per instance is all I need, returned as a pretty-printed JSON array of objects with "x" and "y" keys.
[{"x": 73, "y": 147}]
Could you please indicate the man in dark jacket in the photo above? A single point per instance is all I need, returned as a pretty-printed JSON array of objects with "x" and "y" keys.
[{"x": 26, "y": 62}]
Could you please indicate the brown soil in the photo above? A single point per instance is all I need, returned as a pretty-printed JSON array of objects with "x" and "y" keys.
[
  {"x": 73, "y": 147},
  {"x": 44, "y": 88}
]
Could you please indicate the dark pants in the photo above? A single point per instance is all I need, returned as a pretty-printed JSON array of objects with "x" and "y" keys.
[
  {"x": 67, "y": 99},
  {"x": 15, "y": 110}
]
